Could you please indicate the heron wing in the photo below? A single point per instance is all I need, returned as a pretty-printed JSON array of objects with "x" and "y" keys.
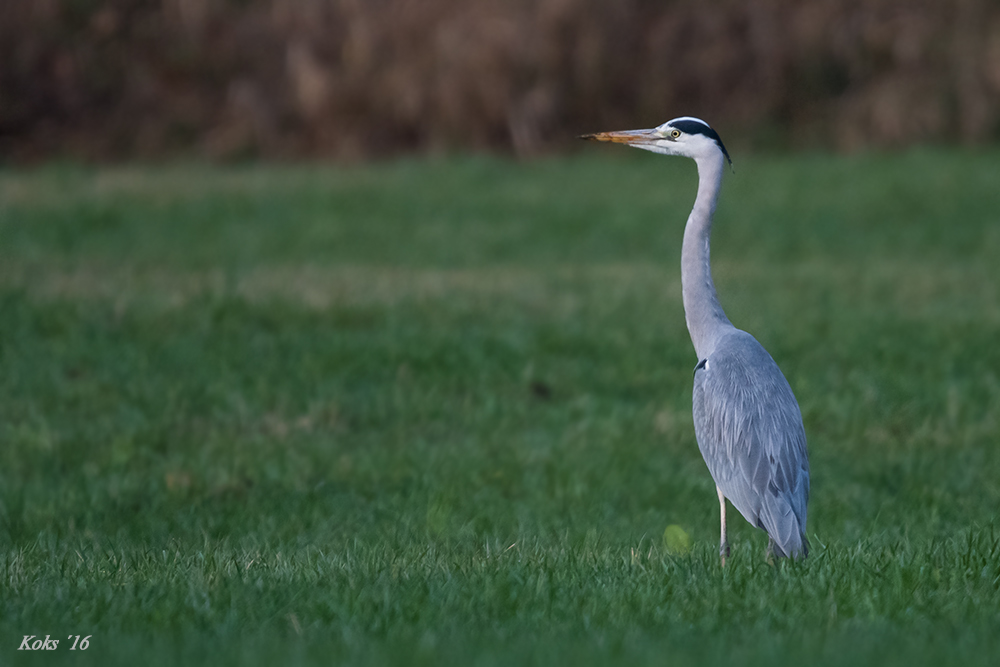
[{"x": 750, "y": 432}]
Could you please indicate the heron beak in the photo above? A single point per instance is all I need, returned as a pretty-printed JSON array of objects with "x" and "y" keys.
[{"x": 630, "y": 137}]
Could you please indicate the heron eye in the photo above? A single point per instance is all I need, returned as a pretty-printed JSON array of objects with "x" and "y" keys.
[{"x": 675, "y": 133}]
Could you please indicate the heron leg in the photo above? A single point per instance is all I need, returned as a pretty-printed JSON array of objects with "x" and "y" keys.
[{"x": 723, "y": 542}]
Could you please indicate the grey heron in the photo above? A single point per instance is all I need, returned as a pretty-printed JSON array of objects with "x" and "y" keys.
[{"x": 746, "y": 419}]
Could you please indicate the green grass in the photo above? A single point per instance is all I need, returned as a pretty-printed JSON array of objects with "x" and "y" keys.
[{"x": 438, "y": 412}]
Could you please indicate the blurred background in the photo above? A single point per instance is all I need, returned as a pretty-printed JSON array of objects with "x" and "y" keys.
[{"x": 350, "y": 79}]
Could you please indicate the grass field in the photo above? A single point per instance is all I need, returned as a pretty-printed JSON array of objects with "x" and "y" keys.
[{"x": 438, "y": 412}]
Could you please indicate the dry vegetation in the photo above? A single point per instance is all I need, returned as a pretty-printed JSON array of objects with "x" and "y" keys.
[{"x": 353, "y": 78}]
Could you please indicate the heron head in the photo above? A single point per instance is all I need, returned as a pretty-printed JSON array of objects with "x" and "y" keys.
[{"x": 685, "y": 136}]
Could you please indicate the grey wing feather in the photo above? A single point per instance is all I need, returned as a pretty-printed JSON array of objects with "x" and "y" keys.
[{"x": 750, "y": 432}]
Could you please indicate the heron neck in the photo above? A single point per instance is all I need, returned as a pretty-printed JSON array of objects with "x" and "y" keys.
[{"x": 706, "y": 320}]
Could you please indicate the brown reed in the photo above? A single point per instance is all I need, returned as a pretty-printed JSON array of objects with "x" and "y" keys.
[{"x": 103, "y": 79}]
